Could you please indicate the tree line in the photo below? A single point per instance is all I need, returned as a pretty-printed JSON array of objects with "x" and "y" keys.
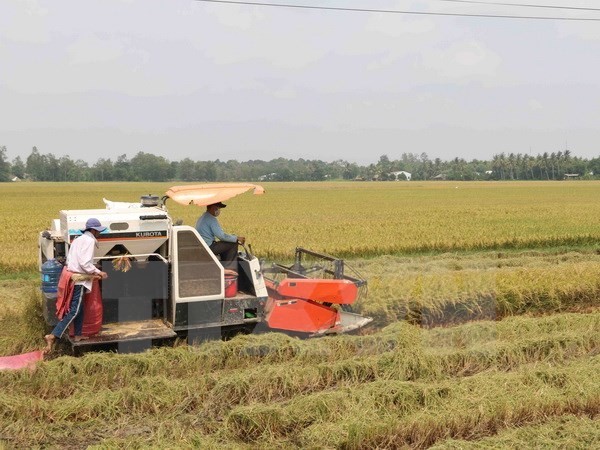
[{"x": 148, "y": 167}]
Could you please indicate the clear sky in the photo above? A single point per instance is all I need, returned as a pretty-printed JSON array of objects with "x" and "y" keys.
[{"x": 179, "y": 78}]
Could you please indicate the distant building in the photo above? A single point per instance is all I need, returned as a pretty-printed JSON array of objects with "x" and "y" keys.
[
  {"x": 400, "y": 175},
  {"x": 15, "y": 179},
  {"x": 267, "y": 177},
  {"x": 571, "y": 176},
  {"x": 440, "y": 177}
]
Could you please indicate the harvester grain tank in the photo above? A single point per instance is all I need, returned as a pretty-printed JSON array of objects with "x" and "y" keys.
[{"x": 164, "y": 281}]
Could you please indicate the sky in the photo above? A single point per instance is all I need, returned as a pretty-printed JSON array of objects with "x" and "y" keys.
[{"x": 187, "y": 79}]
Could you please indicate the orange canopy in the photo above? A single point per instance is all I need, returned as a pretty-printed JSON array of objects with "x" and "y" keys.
[{"x": 207, "y": 194}]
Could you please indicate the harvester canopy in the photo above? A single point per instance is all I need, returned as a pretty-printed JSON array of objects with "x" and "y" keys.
[{"x": 207, "y": 194}]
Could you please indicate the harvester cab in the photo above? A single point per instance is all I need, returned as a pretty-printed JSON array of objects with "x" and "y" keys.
[{"x": 164, "y": 281}]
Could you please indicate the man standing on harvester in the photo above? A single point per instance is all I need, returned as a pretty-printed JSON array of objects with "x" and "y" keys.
[
  {"x": 227, "y": 244},
  {"x": 76, "y": 278}
]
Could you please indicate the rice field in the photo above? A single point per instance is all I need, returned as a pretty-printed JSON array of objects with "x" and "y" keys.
[
  {"x": 486, "y": 334},
  {"x": 349, "y": 219},
  {"x": 401, "y": 387}
]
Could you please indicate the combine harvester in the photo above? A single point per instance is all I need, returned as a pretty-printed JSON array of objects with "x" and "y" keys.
[{"x": 164, "y": 281}]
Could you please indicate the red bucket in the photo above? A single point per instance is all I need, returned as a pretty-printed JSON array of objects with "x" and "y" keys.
[{"x": 231, "y": 285}]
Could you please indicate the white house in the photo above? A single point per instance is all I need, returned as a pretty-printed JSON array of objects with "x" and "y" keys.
[
  {"x": 400, "y": 175},
  {"x": 268, "y": 177}
]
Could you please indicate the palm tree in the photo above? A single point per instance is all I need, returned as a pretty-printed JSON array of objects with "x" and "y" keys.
[
  {"x": 530, "y": 165},
  {"x": 552, "y": 162},
  {"x": 545, "y": 159},
  {"x": 519, "y": 165},
  {"x": 567, "y": 160},
  {"x": 498, "y": 165},
  {"x": 511, "y": 165}
]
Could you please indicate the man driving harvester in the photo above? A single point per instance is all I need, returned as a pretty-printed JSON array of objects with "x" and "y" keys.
[{"x": 227, "y": 244}]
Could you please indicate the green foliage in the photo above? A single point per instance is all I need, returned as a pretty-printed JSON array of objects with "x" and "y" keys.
[
  {"x": 18, "y": 168},
  {"x": 4, "y": 165},
  {"x": 148, "y": 167},
  {"x": 46, "y": 167}
]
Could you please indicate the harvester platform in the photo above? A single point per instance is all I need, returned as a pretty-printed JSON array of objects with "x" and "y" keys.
[{"x": 120, "y": 332}]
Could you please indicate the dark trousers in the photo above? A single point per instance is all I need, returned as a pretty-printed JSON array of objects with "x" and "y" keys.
[
  {"x": 75, "y": 313},
  {"x": 228, "y": 253}
]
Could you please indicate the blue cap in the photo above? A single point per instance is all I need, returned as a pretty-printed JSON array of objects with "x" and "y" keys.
[{"x": 94, "y": 224}]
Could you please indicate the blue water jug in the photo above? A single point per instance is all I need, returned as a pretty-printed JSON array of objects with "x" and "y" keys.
[{"x": 51, "y": 271}]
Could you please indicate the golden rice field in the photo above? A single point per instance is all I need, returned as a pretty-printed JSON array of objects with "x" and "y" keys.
[
  {"x": 350, "y": 219},
  {"x": 486, "y": 300}
]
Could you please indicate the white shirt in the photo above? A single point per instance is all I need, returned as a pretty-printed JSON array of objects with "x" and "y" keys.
[{"x": 81, "y": 257}]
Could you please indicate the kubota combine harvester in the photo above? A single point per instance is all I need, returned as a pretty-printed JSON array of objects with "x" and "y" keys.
[{"x": 164, "y": 281}]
